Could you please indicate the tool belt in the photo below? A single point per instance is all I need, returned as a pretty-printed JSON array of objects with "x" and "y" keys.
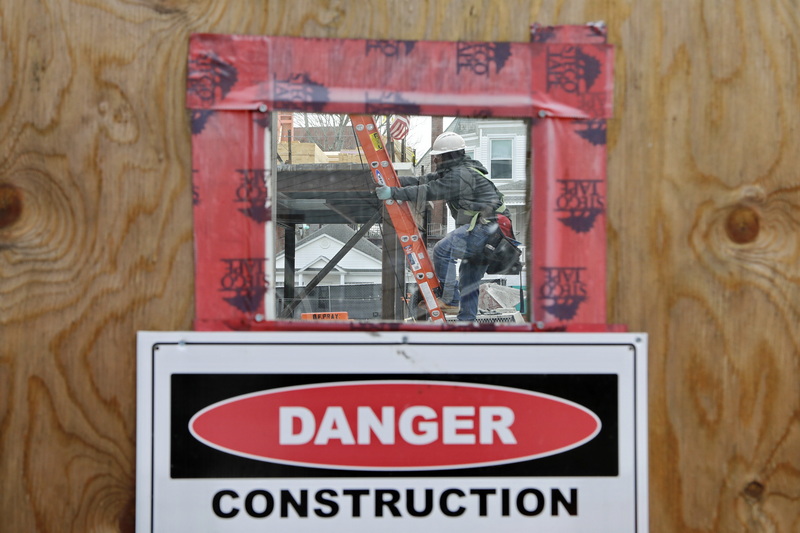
[{"x": 502, "y": 255}]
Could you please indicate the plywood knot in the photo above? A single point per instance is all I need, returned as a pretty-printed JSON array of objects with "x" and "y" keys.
[
  {"x": 742, "y": 225},
  {"x": 10, "y": 205},
  {"x": 754, "y": 490}
]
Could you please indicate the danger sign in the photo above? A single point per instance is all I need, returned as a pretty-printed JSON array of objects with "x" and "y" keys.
[
  {"x": 371, "y": 425},
  {"x": 355, "y": 431}
]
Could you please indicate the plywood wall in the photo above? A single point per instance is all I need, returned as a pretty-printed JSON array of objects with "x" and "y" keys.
[{"x": 703, "y": 221}]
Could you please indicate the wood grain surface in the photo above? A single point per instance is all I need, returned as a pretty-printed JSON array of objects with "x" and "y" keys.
[{"x": 703, "y": 222}]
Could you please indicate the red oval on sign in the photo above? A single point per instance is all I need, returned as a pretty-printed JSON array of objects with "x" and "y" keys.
[{"x": 394, "y": 425}]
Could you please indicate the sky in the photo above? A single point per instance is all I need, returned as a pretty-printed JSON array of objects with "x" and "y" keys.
[{"x": 419, "y": 134}]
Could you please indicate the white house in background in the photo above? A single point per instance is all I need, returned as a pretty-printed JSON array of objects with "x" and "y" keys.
[
  {"x": 354, "y": 285},
  {"x": 362, "y": 264}
]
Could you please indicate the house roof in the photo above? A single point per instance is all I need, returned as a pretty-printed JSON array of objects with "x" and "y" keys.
[{"x": 342, "y": 233}]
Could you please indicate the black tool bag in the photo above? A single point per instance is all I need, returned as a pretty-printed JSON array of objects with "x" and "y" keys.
[{"x": 502, "y": 255}]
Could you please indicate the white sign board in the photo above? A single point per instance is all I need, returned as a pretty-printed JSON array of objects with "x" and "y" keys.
[{"x": 392, "y": 432}]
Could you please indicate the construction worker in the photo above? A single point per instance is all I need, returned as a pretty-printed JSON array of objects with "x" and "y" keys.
[{"x": 473, "y": 202}]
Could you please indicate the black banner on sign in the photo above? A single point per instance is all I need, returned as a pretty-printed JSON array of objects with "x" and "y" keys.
[{"x": 191, "y": 393}]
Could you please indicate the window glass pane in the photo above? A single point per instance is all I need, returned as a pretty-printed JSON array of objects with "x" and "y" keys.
[
  {"x": 501, "y": 149},
  {"x": 501, "y": 170}
]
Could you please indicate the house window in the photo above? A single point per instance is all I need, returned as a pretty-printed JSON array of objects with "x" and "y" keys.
[{"x": 501, "y": 159}]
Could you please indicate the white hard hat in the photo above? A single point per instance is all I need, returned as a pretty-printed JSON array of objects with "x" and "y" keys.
[{"x": 447, "y": 142}]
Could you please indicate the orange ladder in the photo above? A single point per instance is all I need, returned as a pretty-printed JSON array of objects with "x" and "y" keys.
[{"x": 414, "y": 249}]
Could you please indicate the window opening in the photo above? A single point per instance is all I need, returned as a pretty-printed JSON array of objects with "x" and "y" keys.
[
  {"x": 561, "y": 82},
  {"x": 336, "y": 250}
]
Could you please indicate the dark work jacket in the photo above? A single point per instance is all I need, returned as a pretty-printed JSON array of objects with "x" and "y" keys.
[{"x": 460, "y": 183}]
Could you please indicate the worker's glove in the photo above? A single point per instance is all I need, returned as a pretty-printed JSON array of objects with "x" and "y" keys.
[{"x": 383, "y": 192}]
